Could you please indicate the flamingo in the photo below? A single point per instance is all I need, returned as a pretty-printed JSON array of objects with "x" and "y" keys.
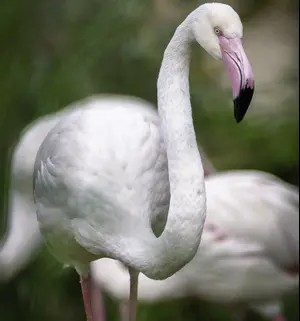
[
  {"x": 116, "y": 183},
  {"x": 248, "y": 256}
]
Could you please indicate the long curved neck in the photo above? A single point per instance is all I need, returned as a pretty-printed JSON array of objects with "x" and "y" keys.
[
  {"x": 187, "y": 211},
  {"x": 158, "y": 258}
]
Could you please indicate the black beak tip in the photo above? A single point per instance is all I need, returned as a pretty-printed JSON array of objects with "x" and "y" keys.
[{"x": 242, "y": 102}]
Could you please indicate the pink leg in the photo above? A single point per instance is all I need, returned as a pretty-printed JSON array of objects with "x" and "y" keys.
[
  {"x": 133, "y": 294},
  {"x": 279, "y": 317},
  {"x": 97, "y": 301},
  {"x": 86, "y": 297},
  {"x": 92, "y": 299}
]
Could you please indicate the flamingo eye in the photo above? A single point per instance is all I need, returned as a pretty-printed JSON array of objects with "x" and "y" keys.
[{"x": 217, "y": 31}]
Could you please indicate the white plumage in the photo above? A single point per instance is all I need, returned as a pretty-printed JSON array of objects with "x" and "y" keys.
[
  {"x": 249, "y": 253},
  {"x": 106, "y": 176}
]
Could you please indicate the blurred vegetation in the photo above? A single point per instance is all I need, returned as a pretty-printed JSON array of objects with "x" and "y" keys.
[{"x": 55, "y": 52}]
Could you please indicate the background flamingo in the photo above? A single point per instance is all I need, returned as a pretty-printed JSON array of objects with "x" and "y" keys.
[
  {"x": 249, "y": 254},
  {"x": 22, "y": 237}
]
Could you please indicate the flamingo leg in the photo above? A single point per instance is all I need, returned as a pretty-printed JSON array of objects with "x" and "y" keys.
[
  {"x": 92, "y": 299},
  {"x": 97, "y": 301},
  {"x": 134, "y": 275},
  {"x": 84, "y": 281}
]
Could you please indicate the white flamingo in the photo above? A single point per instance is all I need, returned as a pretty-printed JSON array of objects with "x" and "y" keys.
[
  {"x": 101, "y": 178},
  {"x": 249, "y": 252}
]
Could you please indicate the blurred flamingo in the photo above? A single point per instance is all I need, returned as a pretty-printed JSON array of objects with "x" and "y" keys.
[
  {"x": 22, "y": 237},
  {"x": 249, "y": 254}
]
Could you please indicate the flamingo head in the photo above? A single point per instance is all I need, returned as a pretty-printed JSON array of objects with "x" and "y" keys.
[{"x": 218, "y": 29}]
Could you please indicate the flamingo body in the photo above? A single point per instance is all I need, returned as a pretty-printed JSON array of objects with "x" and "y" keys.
[
  {"x": 22, "y": 237},
  {"x": 114, "y": 173}
]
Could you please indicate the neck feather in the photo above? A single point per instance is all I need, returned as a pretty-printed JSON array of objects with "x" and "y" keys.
[{"x": 158, "y": 258}]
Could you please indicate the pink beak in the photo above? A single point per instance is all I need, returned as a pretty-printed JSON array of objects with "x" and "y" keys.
[{"x": 240, "y": 72}]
